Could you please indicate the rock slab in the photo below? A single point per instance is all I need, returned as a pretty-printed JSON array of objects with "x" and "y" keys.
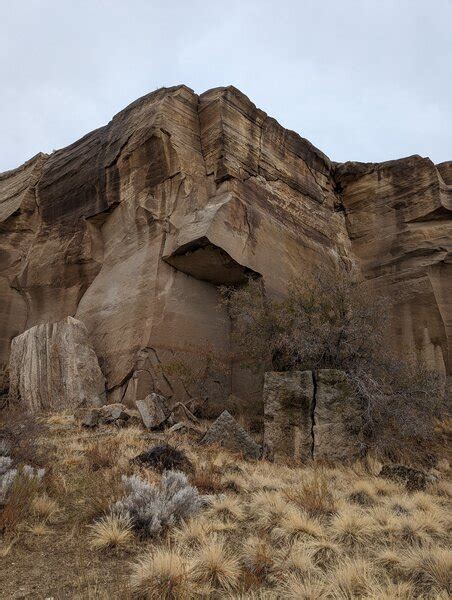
[
  {"x": 54, "y": 367},
  {"x": 154, "y": 411},
  {"x": 226, "y": 432},
  {"x": 288, "y": 406},
  {"x": 337, "y": 418}
]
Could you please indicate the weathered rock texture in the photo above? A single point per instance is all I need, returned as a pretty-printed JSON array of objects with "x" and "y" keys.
[
  {"x": 53, "y": 366},
  {"x": 288, "y": 410},
  {"x": 228, "y": 433},
  {"x": 153, "y": 410},
  {"x": 131, "y": 229},
  {"x": 398, "y": 216},
  {"x": 337, "y": 418},
  {"x": 310, "y": 415}
]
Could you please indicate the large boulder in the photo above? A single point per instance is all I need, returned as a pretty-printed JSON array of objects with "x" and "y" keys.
[
  {"x": 226, "y": 432},
  {"x": 337, "y": 418},
  {"x": 54, "y": 367},
  {"x": 288, "y": 406}
]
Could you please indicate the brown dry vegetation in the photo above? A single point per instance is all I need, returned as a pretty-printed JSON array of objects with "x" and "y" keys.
[{"x": 276, "y": 531}]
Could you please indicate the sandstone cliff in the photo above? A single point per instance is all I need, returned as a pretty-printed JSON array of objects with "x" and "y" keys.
[{"x": 131, "y": 229}]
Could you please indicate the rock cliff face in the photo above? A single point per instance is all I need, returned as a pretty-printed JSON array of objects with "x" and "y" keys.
[{"x": 132, "y": 228}]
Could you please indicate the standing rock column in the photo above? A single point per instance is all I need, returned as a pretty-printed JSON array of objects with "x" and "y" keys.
[
  {"x": 54, "y": 367},
  {"x": 288, "y": 407},
  {"x": 337, "y": 418}
]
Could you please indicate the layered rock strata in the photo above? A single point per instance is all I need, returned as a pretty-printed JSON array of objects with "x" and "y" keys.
[{"x": 132, "y": 228}]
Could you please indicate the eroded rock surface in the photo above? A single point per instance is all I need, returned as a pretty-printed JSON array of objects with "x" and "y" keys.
[
  {"x": 337, "y": 418},
  {"x": 311, "y": 415},
  {"x": 288, "y": 412},
  {"x": 54, "y": 367},
  {"x": 131, "y": 229},
  {"x": 228, "y": 433},
  {"x": 399, "y": 218}
]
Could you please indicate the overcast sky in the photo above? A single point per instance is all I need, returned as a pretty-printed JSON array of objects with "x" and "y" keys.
[{"x": 366, "y": 80}]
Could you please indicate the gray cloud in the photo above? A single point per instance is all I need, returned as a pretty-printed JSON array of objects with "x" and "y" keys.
[{"x": 365, "y": 80}]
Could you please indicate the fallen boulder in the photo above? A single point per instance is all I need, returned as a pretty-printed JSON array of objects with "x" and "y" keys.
[
  {"x": 154, "y": 411},
  {"x": 116, "y": 413},
  {"x": 54, "y": 367},
  {"x": 226, "y": 432}
]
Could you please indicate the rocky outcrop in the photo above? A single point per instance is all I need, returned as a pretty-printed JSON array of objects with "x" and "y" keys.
[
  {"x": 288, "y": 410},
  {"x": 132, "y": 228},
  {"x": 54, "y": 367},
  {"x": 311, "y": 415}
]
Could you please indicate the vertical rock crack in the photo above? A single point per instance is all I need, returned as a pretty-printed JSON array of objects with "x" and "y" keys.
[{"x": 313, "y": 407}]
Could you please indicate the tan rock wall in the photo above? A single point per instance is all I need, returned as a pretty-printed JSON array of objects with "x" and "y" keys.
[{"x": 398, "y": 216}]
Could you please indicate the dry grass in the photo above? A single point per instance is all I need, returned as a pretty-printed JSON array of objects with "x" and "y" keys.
[
  {"x": 313, "y": 495},
  {"x": 351, "y": 528},
  {"x": 258, "y": 557},
  {"x": 271, "y": 531},
  {"x": 227, "y": 508},
  {"x": 18, "y": 507},
  {"x": 44, "y": 507},
  {"x": 192, "y": 534},
  {"x": 303, "y": 588},
  {"x": 111, "y": 531},
  {"x": 162, "y": 575},
  {"x": 215, "y": 566},
  {"x": 295, "y": 525},
  {"x": 352, "y": 578},
  {"x": 429, "y": 569}
]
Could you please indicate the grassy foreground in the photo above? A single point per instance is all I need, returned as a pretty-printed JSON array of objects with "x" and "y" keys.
[{"x": 274, "y": 531}]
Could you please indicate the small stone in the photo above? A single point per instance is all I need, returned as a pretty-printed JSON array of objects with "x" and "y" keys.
[
  {"x": 182, "y": 413},
  {"x": 184, "y": 427}
]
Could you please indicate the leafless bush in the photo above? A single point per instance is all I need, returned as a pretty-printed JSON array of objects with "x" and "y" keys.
[
  {"x": 334, "y": 320},
  {"x": 151, "y": 509}
]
